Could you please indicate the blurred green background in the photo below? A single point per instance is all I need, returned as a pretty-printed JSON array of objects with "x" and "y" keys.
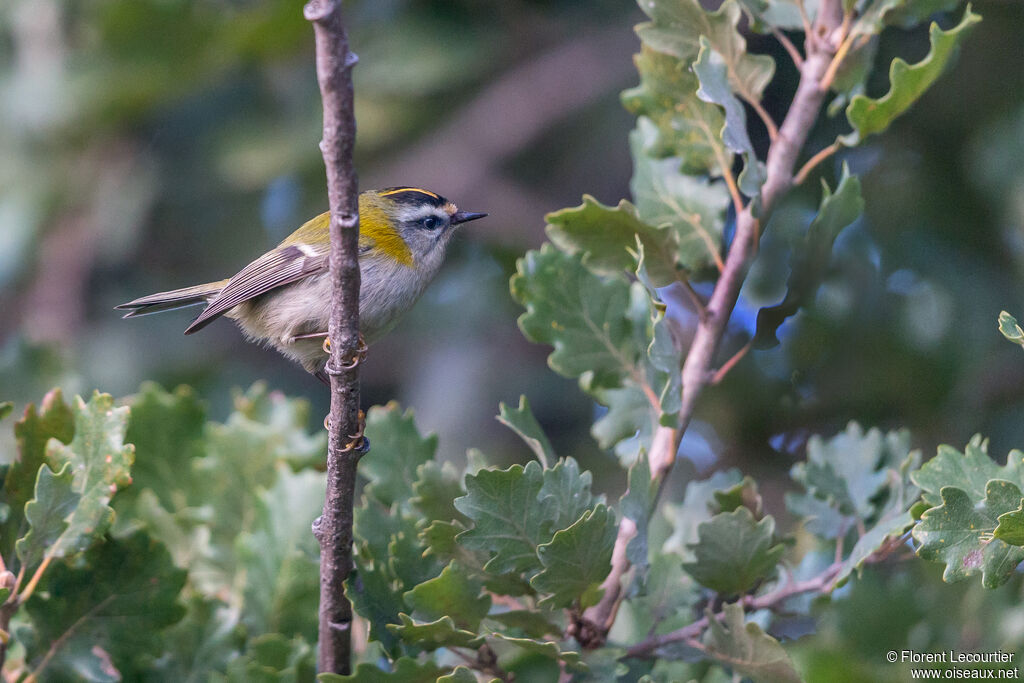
[{"x": 151, "y": 144}]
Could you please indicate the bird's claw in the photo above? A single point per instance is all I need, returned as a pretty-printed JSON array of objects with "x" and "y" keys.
[
  {"x": 354, "y": 360},
  {"x": 358, "y": 441}
]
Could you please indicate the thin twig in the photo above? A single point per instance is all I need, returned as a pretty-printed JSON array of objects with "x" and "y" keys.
[
  {"x": 731, "y": 363},
  {"x": 334, "y": 64},
  {"x": 690, "y": 632},
  {"x": 698, "y": 303},
  {"x": 813, "y": 162},
  {"x": 769, "y": 122},
  {"x": 794, "y": 54}
]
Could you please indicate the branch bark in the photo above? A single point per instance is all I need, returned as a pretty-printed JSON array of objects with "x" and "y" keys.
[
  {"x": 334, "y": 64},
  {"x": 697, "y": 367}
]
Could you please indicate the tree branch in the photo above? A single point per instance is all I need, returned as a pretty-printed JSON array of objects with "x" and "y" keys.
[
  {"x": 696, "y": 372},
  {"x": 334, "y": 64}
]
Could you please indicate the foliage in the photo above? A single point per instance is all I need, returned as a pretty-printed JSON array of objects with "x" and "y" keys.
[{"x": 141, "y": 539}]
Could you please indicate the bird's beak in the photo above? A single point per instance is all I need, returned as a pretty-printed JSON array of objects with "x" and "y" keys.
[{"x": 465, "y": 217}]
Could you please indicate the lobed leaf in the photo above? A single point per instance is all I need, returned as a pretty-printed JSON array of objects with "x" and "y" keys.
[
  {"x": 98, "y": 461},
  {"x": 435, "y": 634},
  {"x": 713, "y": 71},
  {"x": 959, "y": 533},
  {"x": 583, "y": 316},
  {"x": 112, "y": 606},
  {"x": 521, "y": 421},
  {"x": 606, "y": 238},
  {"x": 509, "y": 520},
  {"x": 576, "y": 560},
  {"x": 734, "y": 552},
  {"x": 907, "y": 82},
  {"x": 746, "y": 649},
  {"x": 692, "y": 208},
  {"x": 398, "y": 450},
  {"x": 453, "y": 593}
]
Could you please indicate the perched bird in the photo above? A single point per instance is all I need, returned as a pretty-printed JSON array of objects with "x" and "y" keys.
[{"x": 283, "y": 298}]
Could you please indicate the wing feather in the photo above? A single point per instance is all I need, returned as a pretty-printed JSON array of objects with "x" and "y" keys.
[{"x": 274, "y": 269}]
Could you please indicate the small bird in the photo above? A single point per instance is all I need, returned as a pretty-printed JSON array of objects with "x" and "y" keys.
[{"x": 283, "y": 298}]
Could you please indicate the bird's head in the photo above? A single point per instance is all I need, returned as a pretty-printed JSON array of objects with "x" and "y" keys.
[{"x": 410, "y": 223}]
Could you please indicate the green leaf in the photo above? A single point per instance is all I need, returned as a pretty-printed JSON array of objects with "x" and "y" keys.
[
  {"x": 405, "y": 670},
  {"x": 451, "y": 593},
  {"x": 99, "y": 462},
  {"x": 509, "y": 519},
  {"x": 531, "y": 623},
  {"x": 713, "y": 71},
  {"x": 521, "y": 421},
  {"x": 891, "y": 526},
  {"x": 959, "y": 534},
  {"x": 907, "y": 82},
  {"x": 430, "y": 636},
  {"x": 783, "y": 14},
  {"x": 747, "y": 650},
  {"x": 376, "y": 597},
  {"x": 281, "y": 423},
  {"x": 6, "y": 408},
  {"x": 969, "y": 471},
  {"x": 272, "y": 658},
  {"x": 577, "y": 560},
  {"x": 910, "y": 13},
  {"x": 679, "y": 26},
  {"x": 606, "y": 238},
  {"x": 545, "y": 648},
  {"x": 688, "y": 128},
  {"x": 1010, "y": 527},
  {"x": 115, "y": 604},
  {"x": 47, "y": 514},
  {"x": 629, "y": 424},
  {"x": 636, "y": 504},
  {"x": 565, "y": 493},
  {"x": 693, "y": 208},
  {"x": 53, "y": 420},
  {"x": 436, "y": 488},
  {"x": 202, "y": 643},
  {"x": 580, "y": 314},
  {"x": 1010, "y": 329},
  {"x": 666, "y": 359},
  {"x": 398, "y": 450},
  {"x": 743, "y": 494},
  {"x": 695, "y": 509},
  {"x": 852, "y": 467},
  {"x": 811, "y": 257},
  {"x": 440, "y": 542},
  {"x": 166, "y": 429},
  {"x": 459, "y": 674},
  {"x": 734, "y": 552},
  {"x": 280, "y": 556}
]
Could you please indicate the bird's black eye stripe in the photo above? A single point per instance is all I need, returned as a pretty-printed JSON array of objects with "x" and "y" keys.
[{"x": 431, "y": 222}]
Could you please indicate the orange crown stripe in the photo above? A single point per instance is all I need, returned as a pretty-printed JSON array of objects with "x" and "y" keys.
[{"x": 410, "y": 189}]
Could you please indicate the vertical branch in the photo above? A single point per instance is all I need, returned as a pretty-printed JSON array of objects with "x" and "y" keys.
[
  {"x": 783, "y": 152},
  {"x": 334, "y": 64}
]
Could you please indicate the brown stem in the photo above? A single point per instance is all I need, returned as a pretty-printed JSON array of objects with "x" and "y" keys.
[
  {"x": 813, "y": 162},
  {"x": 696, "y": 373},
  {"x": 334, "y": 64},
  {"x": 818, "y": 584}
]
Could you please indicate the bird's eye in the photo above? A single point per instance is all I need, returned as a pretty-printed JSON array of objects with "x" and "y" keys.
[{"x": 431, "y": 222}]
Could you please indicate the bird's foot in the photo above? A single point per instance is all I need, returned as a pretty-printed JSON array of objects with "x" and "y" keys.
[
  {"x": 358, "y": 441},
  {"x": 352, "y": 361}
]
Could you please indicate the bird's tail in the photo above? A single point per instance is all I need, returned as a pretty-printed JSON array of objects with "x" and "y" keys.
[{"x": 176, "y": 298}]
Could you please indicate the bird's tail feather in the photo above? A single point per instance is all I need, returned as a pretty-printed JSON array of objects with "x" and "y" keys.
[{"x": 176, "y": 298}]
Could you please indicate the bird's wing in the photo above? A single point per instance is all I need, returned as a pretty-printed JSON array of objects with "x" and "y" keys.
[{"x": 279, "y": 267}]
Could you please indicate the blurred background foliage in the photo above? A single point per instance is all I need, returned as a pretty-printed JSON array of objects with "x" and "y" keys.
[{"x": 152, "y": 144}]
